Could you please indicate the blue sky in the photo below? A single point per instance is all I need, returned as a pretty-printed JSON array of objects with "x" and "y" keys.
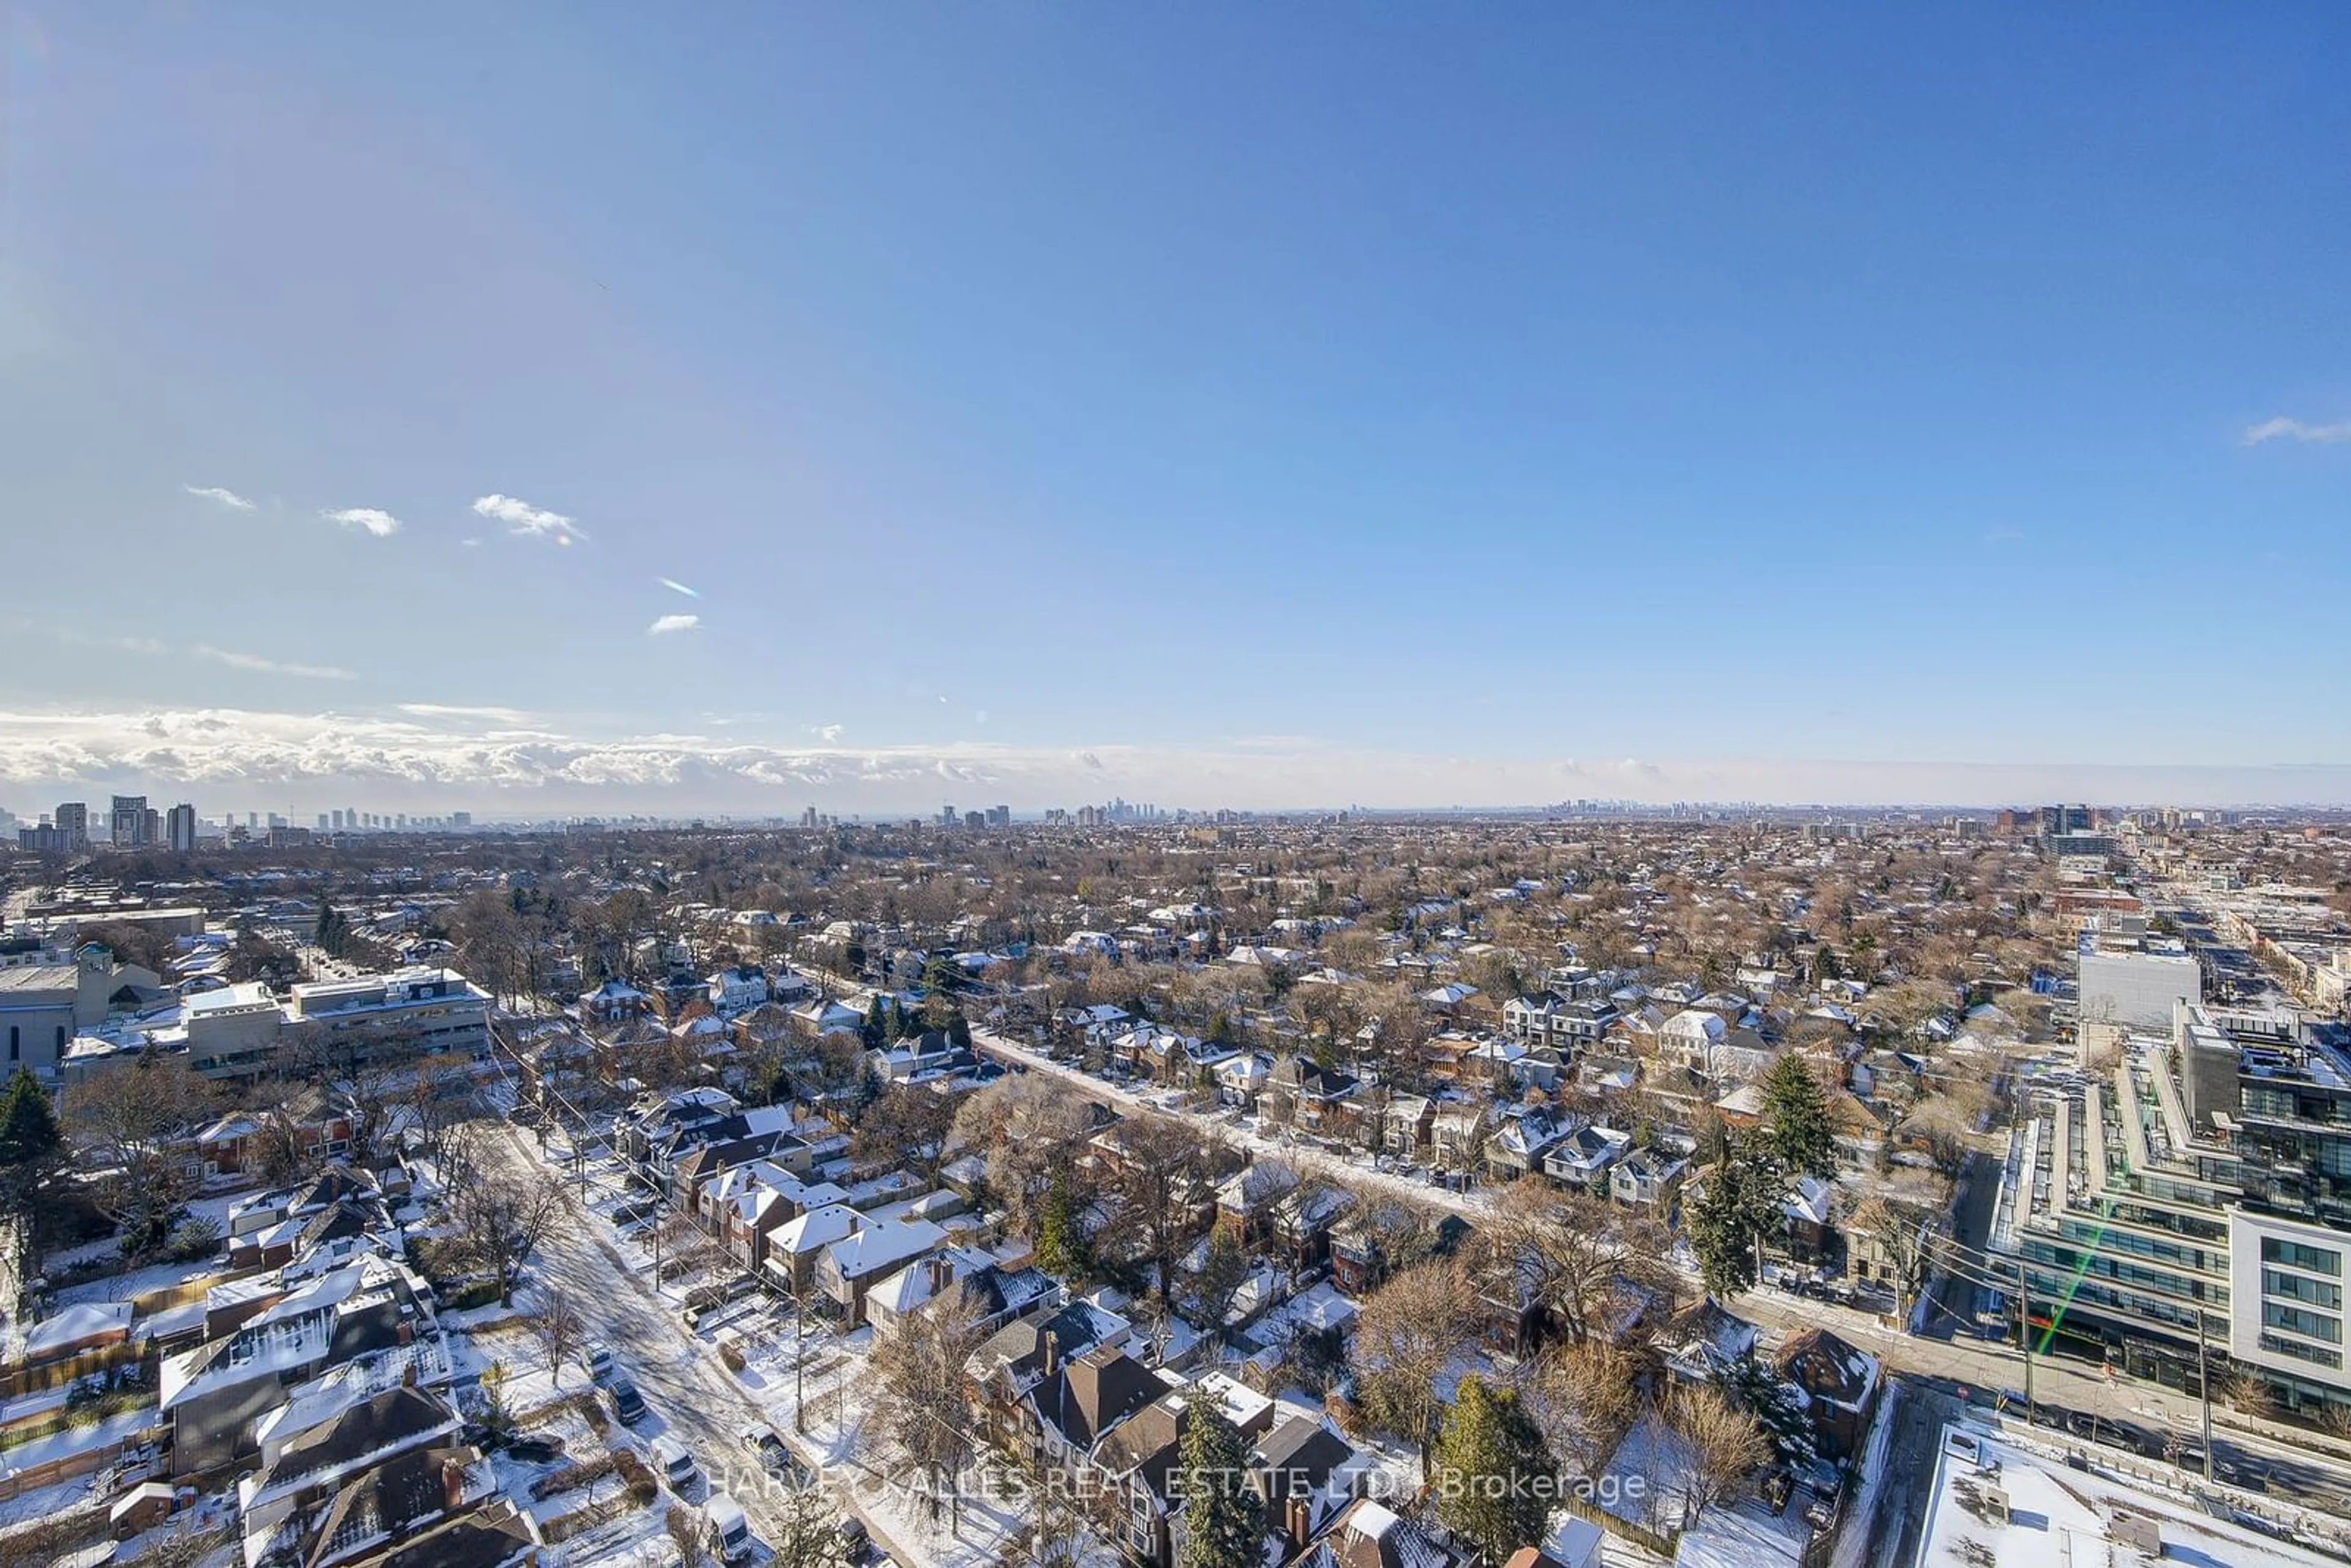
[{"x": 1259, "y": 405}]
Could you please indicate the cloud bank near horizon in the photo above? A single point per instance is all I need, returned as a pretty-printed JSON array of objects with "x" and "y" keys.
[{"x": 501, "y": 761}]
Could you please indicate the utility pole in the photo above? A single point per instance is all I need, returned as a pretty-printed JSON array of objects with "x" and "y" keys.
[
  {"x": 2204, "y": 1391},
  {"x": 799, "y": 1356},
  {"x": 2024, "y": 1329}
]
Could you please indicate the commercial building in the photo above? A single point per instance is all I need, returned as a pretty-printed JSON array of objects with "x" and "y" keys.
[
  {"x": 1995, "y": 1497},
  {"x": 180, "y": 829},
  {"x": 2190, "y": 1212},
  {"x": 2135, "y": 982},
  {"x": 419, "y": 1012},
  {"x": 45, "y": 999},
  {"x": 126, "y": 822}
]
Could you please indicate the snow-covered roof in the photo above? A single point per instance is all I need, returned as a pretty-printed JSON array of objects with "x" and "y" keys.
[
  {"x": 71, "y": 1325},
  {"x": 1997, "y": 1501},
  {"x": 877, "y": 1247},
  {"x": 820, "y": 1227}
]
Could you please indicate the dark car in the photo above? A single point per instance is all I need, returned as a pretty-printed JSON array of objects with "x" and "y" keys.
[
  {"x": 534, "y": 1450},
  {"x": 628, "y": 1405}
]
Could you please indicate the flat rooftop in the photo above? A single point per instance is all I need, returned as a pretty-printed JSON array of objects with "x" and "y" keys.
[
  {"x": 1994, "y": 1501},
  {"x": 24, "y": 977}
]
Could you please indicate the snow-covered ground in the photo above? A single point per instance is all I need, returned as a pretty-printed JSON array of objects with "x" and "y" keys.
[{"x": 693, "y": 1397}]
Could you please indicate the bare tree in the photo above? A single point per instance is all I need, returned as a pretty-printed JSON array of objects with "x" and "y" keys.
[
  {"x": 918, "y": 1367},
  {"x": 801, "y": 1529},
  {"x": 1068, "y": 1518},
  {"x": 1409, "y": 1328},
  {"x": 278, "y": 1152},
  {"x": 1583, "y": 1395},
  {"x": 1030, "y": 1131},
  {"x": 681, "y": 1247},
  {"x": 431, "y": 1108},
  {"x": 906, "y": 1129},
  {"x": 2250, "y": 1394},
  {"x": 1726, "y": 1448},
  {"x": 502, "y": 1213},
  {"x": 1901, "y": 1231},
  {"x": 1163, "y": 1180},
  {"x": 689, "y": 1531},
  {"x": 1586, "y": 1258},
  {"x": 124, "y": 1125},
  {"x": 560, "y": 1327}
]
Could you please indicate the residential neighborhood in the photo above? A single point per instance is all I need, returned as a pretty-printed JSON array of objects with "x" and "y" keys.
[{"x": 1681, "y": 1174}]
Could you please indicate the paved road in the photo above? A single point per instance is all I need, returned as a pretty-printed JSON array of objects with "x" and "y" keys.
[
  {"x": 2297, "y": 1473},
  {"x": 1305, "y": 1157},
  {"x": 688, "y": 1393}
]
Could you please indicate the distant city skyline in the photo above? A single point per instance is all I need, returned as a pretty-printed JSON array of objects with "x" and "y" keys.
[
  {"x": 303, "y": 766},
  {"x": 1513, "y": 405}
]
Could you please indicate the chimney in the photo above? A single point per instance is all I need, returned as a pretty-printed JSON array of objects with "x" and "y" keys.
[
  {"x": 1053, "y": 1353},
  {"x": 453, "y": 1485}
]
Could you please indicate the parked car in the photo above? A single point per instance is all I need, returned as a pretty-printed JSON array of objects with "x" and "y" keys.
[
  {"x": 774, "y": 1456},
  {"x": 730, "y": 1532},
  {"x": 628, "y": 1405},
  {"x": 676, "y": 1465},
  {"x": 599, "y": 1362}
]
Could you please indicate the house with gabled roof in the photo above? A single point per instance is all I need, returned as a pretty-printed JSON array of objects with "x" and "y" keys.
[
  {"x": 1840, "y": 1386},
  {"x": 795, "y": 1247},
  {"x": 302, "y": 1468},
  {"x": 1306, "y": 1093},
  {"x": 1370, "y": 1534},
  {"x": 1010, "y": 1363},
  {"x": 1306, "y": 1474},
  {"x": 864, "y": 1257},
  {"x": 1582, "y": 1159},
  {"x": 1520, "y": 1138}
]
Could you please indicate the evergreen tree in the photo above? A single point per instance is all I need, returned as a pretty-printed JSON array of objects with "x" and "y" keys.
[
  {"x": 1778, "y": 1407},
  {"x": 1491, "y": 1470},
  {"x": 1061, "y": 1239},
  {"x": 877, "y": 1025},
  {"x": 960, "y": 1031},
  {"x": 1223, "y": 1518},
  {"x": 30, "y": 1135},
  {"x": 1224, "y": 1269},
  {"x": 32, "y": 1153},
  {"x": 1739, "y": 1205},
  {"x": 1796, "y": 1118}
]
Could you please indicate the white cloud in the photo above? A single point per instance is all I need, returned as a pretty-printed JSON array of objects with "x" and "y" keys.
[
  {"x": 2296, "y": 429},
  {"x": 664, "y": 625},
  {"x": 450, "y": 760},
  {"x": 368, "y": 519},
  {"x": 256, "y": 663},
  {"x": 828, "y": 733},
  {"x": 215, "y": 492},
  {"x": 460, "y": 710},
  {"x": 522, "y": 517}
]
